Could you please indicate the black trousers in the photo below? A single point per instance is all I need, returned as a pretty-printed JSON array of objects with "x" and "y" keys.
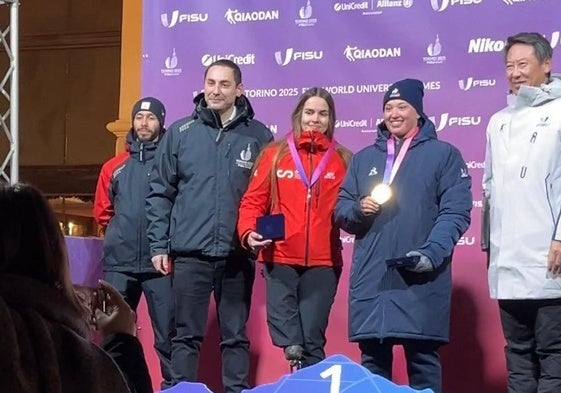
[
  {"x": 159, "y": 298},
  {"x": 532, "y": 329},
  {"x": 231, "y": 281},
  {"x": 299, "y": 301},
  {"x": 423, "y": 361}
]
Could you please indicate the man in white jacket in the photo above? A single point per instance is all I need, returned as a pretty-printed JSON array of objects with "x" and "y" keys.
[{"x": 522, "y": 187}]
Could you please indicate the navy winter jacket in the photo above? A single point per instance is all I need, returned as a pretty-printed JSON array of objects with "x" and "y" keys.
[
  {"x": 119, "y": 205},
  {"x": 428, "y": 212},
  {"x": 202, "y": 171}
]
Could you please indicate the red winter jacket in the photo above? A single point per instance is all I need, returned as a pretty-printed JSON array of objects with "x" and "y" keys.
[{"x": 311, "y": 237}]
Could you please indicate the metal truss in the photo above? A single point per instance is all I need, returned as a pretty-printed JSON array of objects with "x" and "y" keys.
[{"x": 9, "y": 91}]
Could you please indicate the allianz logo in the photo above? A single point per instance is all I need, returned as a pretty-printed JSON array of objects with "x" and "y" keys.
[
  {"x": 394, "y": 3},
  {"x": 469, "y": 83},
  {"x": 353, "y": 53},
  {"x": 350, "y": 6},
  {"x": 246, "y": 59},
  {"x": 446, "y": 120},
  {"x": 176, "y": 17},
  {"x": 441, "y": 5},
  {"x": 353, "y": 123},
  {"x": 291, "y": 55}
]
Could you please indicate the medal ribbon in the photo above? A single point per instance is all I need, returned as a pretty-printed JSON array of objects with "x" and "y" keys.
[
  {"x": 391, "y": 165},
  {"x": 300, "y": 167}
]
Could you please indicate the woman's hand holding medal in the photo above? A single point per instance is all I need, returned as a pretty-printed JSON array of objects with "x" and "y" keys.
[{"x": 368, "y": 206}]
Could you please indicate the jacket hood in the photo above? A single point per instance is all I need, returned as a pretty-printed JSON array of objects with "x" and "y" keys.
[
  {"x": 427, "y": 130},
  {"x": 244, "y": 112},
  {"x": 536, "y": 96}
]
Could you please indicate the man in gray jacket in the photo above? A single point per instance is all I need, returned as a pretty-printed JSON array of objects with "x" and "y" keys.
[{"x": 202, "y": 170}]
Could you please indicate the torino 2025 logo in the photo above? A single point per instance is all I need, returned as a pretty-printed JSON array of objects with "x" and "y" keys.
[{"x": 441, "y": 5}]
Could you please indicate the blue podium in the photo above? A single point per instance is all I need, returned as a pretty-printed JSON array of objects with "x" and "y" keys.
[{"x": 336, "y": 374}]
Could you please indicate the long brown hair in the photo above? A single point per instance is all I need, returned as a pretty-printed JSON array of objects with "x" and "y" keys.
[
  {"x": 281, "y": 146},
  {"x": 31, "y": 241}
]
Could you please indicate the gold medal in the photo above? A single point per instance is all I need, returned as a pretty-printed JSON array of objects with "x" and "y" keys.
[{"x": 381, "y": 193}]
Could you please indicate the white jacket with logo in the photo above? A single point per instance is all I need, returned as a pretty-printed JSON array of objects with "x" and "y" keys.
[{"x": 522, "y": 182}]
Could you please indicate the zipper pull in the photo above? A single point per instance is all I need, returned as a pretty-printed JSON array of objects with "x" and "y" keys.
[{"x": 309, "y": 195}]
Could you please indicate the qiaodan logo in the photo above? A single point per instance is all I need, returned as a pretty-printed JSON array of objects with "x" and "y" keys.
[
  {"x": 441, "y": 5},
  {"x": 234, "y": 16},
  {"x": 354, "y": 53}
]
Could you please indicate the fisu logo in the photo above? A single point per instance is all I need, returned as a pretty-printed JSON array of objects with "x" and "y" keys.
[
  {"x": 176, "y": 18},
  {"x": 291, "y": 55},
  {"x": 454, "y": 121},
  {"x": 441, "y": 5},
  {"x": 554, "y": 39},
  {"x": 469, "y": 83}
]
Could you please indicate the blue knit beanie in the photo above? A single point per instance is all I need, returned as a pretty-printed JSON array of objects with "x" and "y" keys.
[
  {"x": 153, "y": 105},
  {"x": 410, "y": 90}
]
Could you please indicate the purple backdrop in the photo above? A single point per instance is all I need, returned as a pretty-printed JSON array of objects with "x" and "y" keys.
[{"x": 356, "y": 49}]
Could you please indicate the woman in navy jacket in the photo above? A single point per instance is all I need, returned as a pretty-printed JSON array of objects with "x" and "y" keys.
[{"x": 428, "y": 211}]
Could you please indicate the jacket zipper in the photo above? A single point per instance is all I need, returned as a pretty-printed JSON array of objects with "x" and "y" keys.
[
  {"x": 525, "y": 167},
  {"x": 140, "y": 234},
  {"x": 308, "y": 213}
]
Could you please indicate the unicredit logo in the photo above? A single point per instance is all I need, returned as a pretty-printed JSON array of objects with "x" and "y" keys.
[
  {"x": 441, "y": 5},
  {"x": 246, "y": 59},
  {"x": 350, "y": 6}
]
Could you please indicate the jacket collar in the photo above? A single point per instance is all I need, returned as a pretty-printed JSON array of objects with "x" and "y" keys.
[
  {"x": 244, "y": 112},
  {"x": 312, "y": 140}
]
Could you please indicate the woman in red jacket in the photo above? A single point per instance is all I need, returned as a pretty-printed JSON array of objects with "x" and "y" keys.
[{"x": 299, "y": 177}]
